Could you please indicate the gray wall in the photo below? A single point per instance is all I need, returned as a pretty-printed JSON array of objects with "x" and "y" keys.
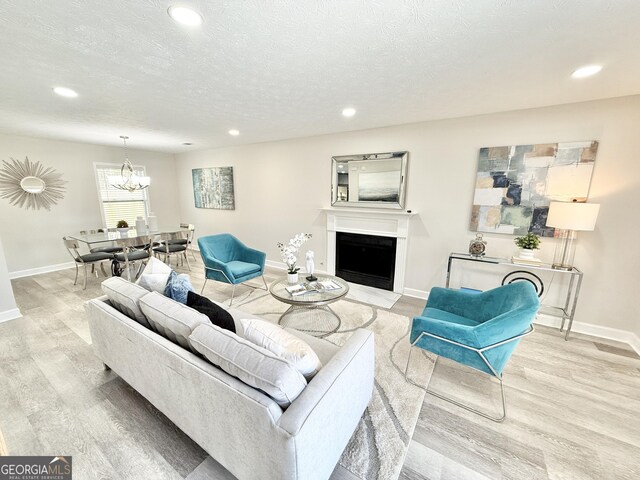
[
  {"x": 33, "y": 239},
  {"x": 281, "y": 187}
]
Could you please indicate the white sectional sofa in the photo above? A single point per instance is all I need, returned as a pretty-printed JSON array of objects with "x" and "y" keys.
[{"x": 239, "y": 426}]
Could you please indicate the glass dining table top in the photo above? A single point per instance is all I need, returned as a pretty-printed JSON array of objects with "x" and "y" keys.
[{"x": 164, "y": 233}]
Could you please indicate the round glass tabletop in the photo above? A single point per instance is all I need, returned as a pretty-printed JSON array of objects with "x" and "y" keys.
[{"x": 325, "y": 290}]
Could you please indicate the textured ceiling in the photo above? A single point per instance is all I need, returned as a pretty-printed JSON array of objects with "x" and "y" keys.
[{"x": 285, "y": 68}]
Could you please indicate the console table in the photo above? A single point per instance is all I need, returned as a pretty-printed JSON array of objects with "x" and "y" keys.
[{"x": 527, "y": 272}]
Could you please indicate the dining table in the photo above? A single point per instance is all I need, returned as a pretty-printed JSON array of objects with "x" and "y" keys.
[{"x": 129, "y": 240}]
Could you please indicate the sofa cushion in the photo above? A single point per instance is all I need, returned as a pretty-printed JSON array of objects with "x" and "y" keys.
[
  {"x": 250, "y": 363},
  {"x": 285, "y": 345},
  {"x": 125, "y": 296},
  {"x": 216, "y": 314},
  {"x": 178, "y": 286},
  {"x": 155, "y": 275},
  {"x": 171, "y": 319}
]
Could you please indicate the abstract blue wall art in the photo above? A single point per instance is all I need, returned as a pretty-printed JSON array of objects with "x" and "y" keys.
[{"x": 515, "y": 184}]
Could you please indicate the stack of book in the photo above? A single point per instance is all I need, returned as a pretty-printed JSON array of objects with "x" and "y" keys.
[
  {"x": 312, "y": 287},
  {"x": 526, "y": 261}
]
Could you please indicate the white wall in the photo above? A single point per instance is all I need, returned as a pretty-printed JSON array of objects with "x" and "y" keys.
[
  {"x": 33, "y": 239},
  {"x": 8, "y": 309},
  {"x": 281, "y": 186}
]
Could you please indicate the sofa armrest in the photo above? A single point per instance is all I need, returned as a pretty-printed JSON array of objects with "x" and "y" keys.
[
  {"x": 325, "y": 415},
  {"x": 348, "y": 377}
]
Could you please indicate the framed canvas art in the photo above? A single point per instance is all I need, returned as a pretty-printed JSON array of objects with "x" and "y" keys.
[
  {"x": 515, "y": 184},
  {"x": 213, "y": 188}
]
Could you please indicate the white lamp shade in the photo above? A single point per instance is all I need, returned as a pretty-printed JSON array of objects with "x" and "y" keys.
[{"x": 573, "y": 215}]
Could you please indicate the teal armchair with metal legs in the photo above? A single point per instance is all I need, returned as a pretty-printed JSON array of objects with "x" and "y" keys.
[
  {"x": 479, "y": 330},
  {"x": 226, "y": 259}
]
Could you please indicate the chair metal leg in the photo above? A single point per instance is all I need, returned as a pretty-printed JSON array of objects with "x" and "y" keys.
[
  {"x": 104, "y": 272},
  {"x": 84, "y": 285},
  {"x": 233, "y": 292},
  {"x": 187, "y": 260},
  {"x": 480, "y": 352},
  {"x": 204, "y": 284},
  {"x": 75, "y": 280},
  {"x": 265, "y": 283},
  {"x": 455, "y": 402}
]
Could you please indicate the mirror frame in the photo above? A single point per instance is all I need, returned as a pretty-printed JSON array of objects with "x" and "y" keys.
[
  {"x": 403, "y": 156},
  {"x": 13, "y": 175}
]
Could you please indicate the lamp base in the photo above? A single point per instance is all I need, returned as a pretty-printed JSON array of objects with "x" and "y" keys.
[
  {"x": 565, "y": 250},
  {"x": 561, "y": 267}
]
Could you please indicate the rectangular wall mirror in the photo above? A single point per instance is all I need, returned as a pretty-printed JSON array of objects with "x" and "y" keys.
[{"x": 375, "y": 180}]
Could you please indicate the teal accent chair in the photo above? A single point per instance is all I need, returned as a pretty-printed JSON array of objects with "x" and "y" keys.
[
  {"x": 226, "y": 259},
  {"x": 479, "y": 330}
]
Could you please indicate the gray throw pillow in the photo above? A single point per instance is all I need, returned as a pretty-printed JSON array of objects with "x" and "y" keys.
[
  {"x": 250, "y": 363},
  {"x": 125, "y": 296},
  {"x": 171, "y": 319}
]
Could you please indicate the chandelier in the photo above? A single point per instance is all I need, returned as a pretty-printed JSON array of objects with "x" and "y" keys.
[{"x": 128, "y": 180}]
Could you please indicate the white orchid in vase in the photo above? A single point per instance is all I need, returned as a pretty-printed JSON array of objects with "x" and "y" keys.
[{"x": 289, "y": 251}]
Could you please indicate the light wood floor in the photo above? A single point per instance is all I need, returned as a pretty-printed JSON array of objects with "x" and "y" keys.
[{"x": 573, "y": 407}]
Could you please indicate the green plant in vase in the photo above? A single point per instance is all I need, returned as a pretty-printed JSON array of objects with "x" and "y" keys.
[
  {"x": 123, "y": 227},
  {"x": 528, "y": 244}
]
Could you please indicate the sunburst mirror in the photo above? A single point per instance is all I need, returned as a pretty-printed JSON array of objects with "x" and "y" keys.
[{"x": 30, "y": 185}]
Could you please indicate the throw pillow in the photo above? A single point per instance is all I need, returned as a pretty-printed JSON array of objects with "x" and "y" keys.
[
  {"x": 125, "y": 297},
  {"x": 217, "y": 315},
  {"x": 171, "y": 319},
  {"x": 155, "y": 275},
  {"x": 250, "y": 363},
  {"x": 282, "y": 343},
  {"x": 178, "y": 286}
]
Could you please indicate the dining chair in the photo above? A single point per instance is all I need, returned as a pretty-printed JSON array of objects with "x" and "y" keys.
[
  {"x": 175, "y": 246},
  {"x": 136, "y": 255},
  {"x": 92, "y": 259}
]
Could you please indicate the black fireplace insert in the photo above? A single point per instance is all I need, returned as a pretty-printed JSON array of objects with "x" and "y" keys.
[{"x": 366, "y": 259}]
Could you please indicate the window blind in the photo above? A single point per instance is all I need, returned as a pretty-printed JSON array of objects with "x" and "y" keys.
[{"x": 120, "y": 204}]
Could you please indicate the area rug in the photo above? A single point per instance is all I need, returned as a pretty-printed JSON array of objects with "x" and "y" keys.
[{"x": 378, "y": 447}]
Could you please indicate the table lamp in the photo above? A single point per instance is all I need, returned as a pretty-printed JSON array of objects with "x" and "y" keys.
[{"x": 569, "y": 218}]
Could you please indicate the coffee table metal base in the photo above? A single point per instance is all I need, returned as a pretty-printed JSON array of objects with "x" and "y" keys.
[{"x": 308, "y": 319}]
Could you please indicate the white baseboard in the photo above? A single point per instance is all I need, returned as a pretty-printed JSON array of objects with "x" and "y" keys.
[
  {"x": 39, "y": 270},
  {"x": 609, "y": 333},
  {"x": 412, "y": 292},
  {"x": 277, "y": 265},
  {"x": 10, "y": 315}
]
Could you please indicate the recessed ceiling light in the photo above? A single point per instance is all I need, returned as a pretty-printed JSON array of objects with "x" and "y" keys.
[
  {"x": 586, "y": 71},
  {"x": 185, "y": 16},
  {"x": 348, "y": 112},
  {"x": 234, "y": 132},
  {"x": 65, "y": 92}
]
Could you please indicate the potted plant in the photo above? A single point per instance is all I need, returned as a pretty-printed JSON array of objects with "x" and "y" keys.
[
  {"x": 289, "y": 254},
  {"x": 527, "y": 245},
  {"x": 123, "y": 227}
]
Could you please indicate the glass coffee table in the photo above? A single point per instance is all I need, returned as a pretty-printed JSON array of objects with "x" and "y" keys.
[{"x": 310, "y": 312}]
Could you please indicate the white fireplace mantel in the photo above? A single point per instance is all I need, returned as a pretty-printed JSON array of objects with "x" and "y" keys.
[{"x": 366, "y": 221}]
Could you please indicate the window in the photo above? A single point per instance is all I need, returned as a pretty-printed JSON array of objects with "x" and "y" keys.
[{"x": 120, "y": 204}]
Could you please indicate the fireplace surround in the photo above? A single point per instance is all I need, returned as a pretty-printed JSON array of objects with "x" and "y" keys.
[{"x": 381, "y": 223}]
